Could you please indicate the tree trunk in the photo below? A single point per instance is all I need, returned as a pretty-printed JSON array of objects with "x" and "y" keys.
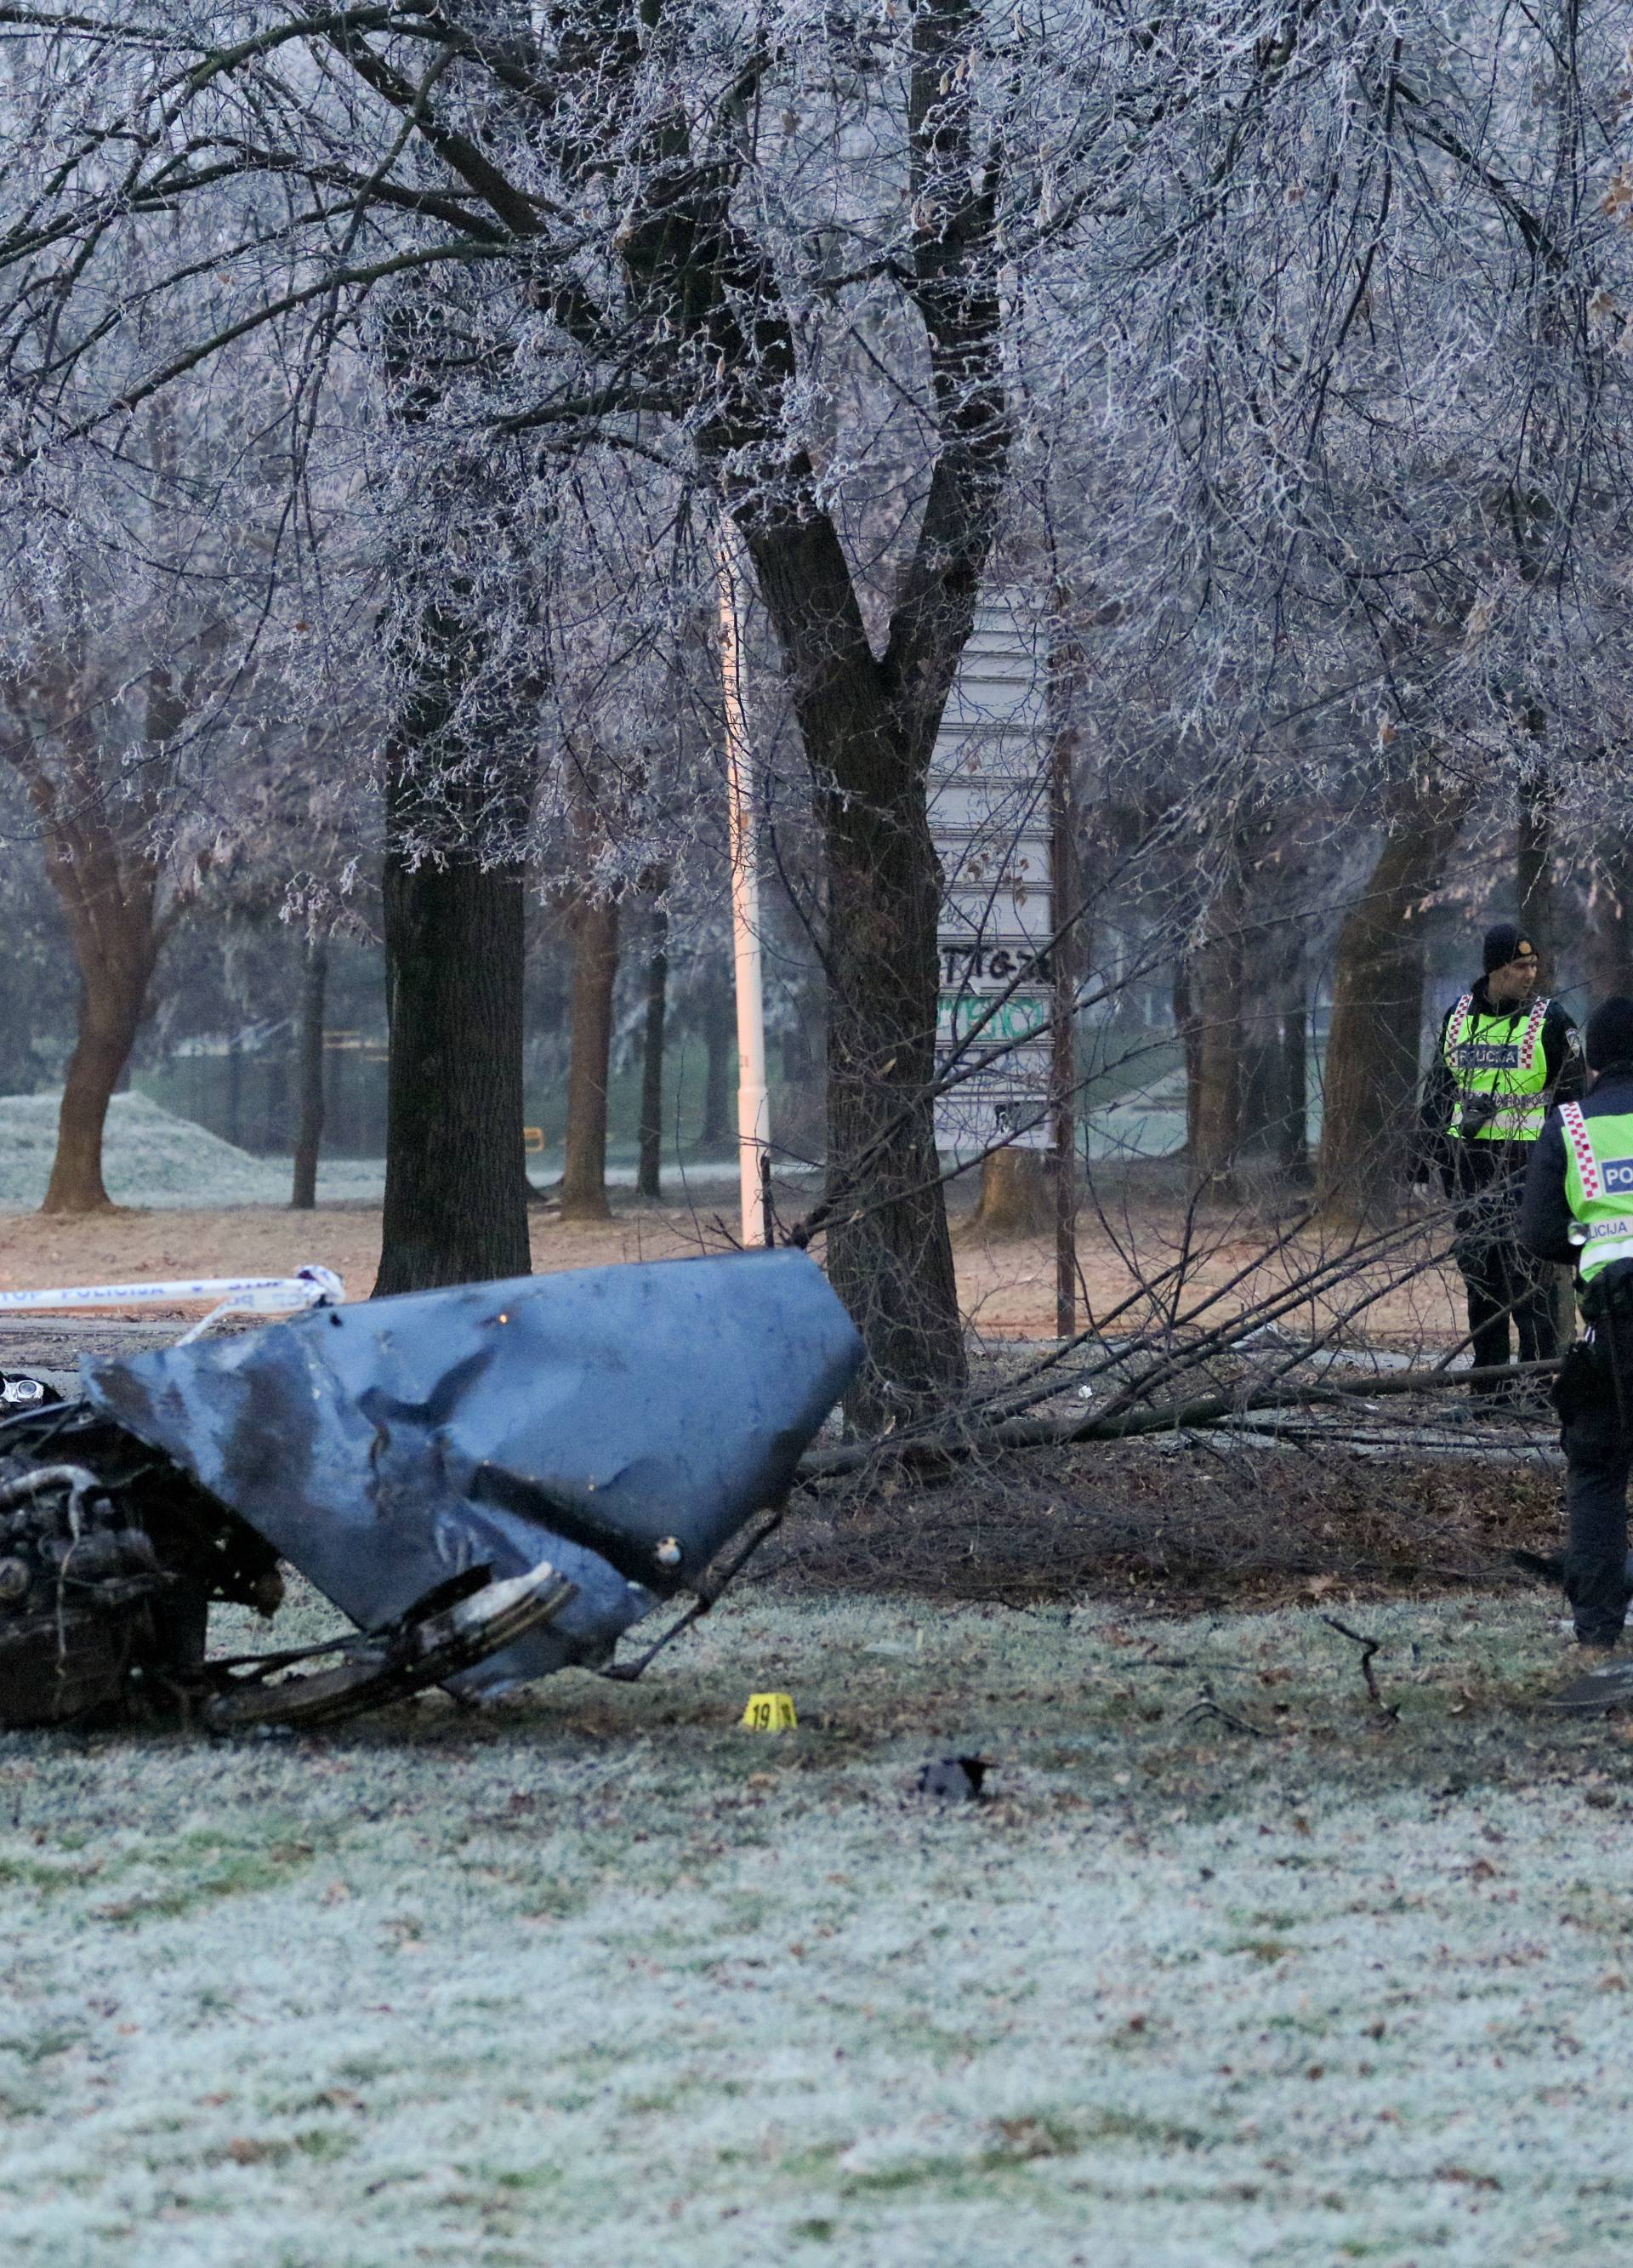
[
  {"x": 1371, "y": 1084},
  {"x": 1609, "y": 934},
  {"x": 1261, "y": 1075},
  {"x": 799, "y": 1061},
  {"x": 1216, "y": 1136},
  {"x": 1017, "y": 1194},
  {"x": 109, "y": 1017},
  {"x": 1292, "y": 1143},
  {"x": 453, "y": 917},
  {"x": 649, "y": 1173},
  {"x": 1186, "y": 1023},
  {"x": 1534, "y": 891},
  {"x": 1274, "y": 1057},
  {"x": 309, "y": 1052},
  {"x": 1261, "y": 1084},
  {"x": 455, "y": 1209},
  {"x": 274, "y": 1117},
  {"x": 1533, "y": 871},
  {"x": 235, "y": 1091},
  {"x": 595, "y": 972},
  {"x": 719, "y": 1063},
  {"x": 106, "y": 881},
  {"x": 1216, "y": 998},
  {"x": 869, "y": 723},
  {"x": 889, "y": 1257},
  {"x": 869, "y": 729}
]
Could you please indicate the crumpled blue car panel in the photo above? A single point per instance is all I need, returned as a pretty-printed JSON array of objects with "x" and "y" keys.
[{"x": 599, "y": 1418}]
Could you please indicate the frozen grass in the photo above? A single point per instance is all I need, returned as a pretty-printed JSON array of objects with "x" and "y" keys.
[
  {"x": 597, "y": 1977},
  {"x": 152, "y": 1157}
]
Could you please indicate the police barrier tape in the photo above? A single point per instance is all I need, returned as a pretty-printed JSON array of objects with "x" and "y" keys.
[{"x": 310, "y": 1286}]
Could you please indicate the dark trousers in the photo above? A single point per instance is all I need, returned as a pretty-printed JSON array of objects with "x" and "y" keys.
[
  {"x": 1598, "y": 1442},
  {"x": 1504, "y": 1282}
]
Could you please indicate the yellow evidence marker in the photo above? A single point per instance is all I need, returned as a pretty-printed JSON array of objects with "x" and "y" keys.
[{"x": 770, "y": 1712}]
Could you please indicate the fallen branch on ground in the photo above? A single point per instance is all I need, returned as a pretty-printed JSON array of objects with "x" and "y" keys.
[
  {"x": 958, "y": 1438},
  {"x": 1369, "y": 1646},
  {"x": 1208, "y": 1707}
]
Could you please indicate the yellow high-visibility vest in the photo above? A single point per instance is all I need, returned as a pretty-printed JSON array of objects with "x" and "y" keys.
[
  {"x": 1599, "y": 1185},
  {"x": 1500, "y": 1074}
]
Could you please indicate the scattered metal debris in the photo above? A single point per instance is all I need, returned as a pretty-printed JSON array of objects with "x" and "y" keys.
[
  {"x": 492, "y": 1481},
  {"x": 18, "y": 1391}
]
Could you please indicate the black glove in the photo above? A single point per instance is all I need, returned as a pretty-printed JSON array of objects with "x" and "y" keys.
[
  {"x": 1477, "y": 1113},
  {"x": 1607, "y": 1298}
]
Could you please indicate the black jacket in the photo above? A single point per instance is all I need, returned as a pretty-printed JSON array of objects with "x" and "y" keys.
[
  {"x": 1562, "y": 1053},
  {"x": 1545, "y": 1214}
]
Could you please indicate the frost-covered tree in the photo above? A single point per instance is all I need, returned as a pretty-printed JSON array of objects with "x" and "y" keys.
[
  {"x": 1352, "y": 467},
  {"x": 120, "y": 683},
  {"x": 545, "y": 227}
]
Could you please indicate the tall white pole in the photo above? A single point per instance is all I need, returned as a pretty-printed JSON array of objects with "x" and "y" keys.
[{"x": 753, "y": 1119}]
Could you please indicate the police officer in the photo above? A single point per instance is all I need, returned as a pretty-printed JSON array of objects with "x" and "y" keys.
[
  {"x": 1502, "y": 1057},
  {"x": 1578, "y": 1207}
]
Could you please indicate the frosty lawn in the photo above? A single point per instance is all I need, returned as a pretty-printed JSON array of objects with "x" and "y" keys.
[{"x": 598, "y": 1977}]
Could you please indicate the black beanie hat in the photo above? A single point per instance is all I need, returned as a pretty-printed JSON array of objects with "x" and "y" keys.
[
  {"x": 1503, "y": 941},
  {"x": 1609, "y": 1036}
]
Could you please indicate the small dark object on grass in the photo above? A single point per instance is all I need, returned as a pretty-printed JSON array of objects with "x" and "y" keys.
[{"x": 954, "y": 1780}]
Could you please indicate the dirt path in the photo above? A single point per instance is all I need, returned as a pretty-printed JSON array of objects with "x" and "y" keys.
[{"x": 263, "y": 1240}]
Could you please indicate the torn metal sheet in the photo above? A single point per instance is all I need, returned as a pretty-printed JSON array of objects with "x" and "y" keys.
[
  {"x": 601, "y": 1433},
  {"x": 623, "y": 1422}
]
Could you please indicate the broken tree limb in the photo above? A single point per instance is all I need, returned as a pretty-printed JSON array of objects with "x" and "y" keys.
[
  {"x": 708, "y": 1590},
  {"x": 955, "y": 1440}
]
